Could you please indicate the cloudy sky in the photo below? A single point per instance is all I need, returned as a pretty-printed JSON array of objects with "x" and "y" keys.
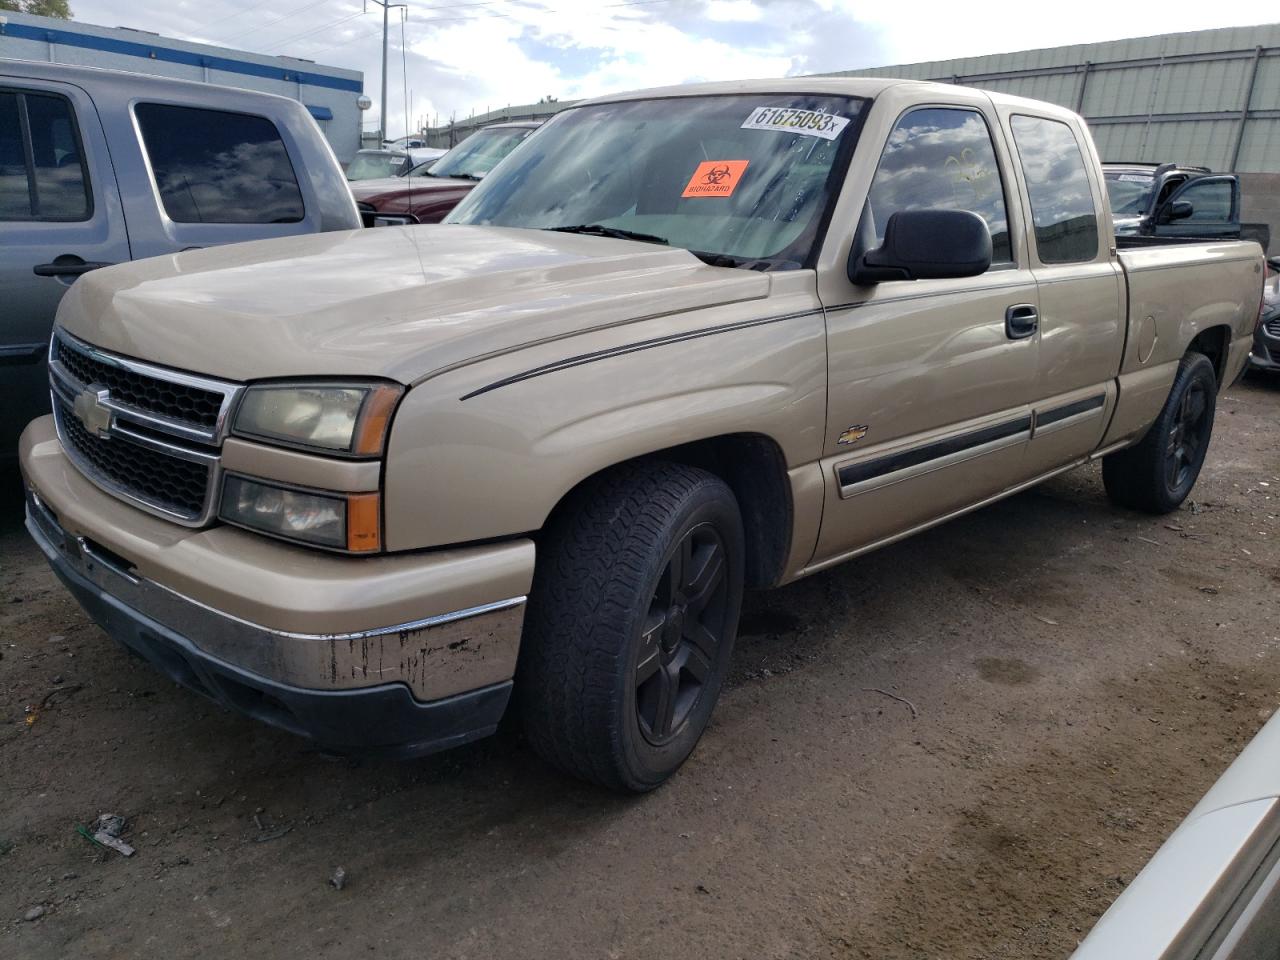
[{"x": 468, "y": 55}]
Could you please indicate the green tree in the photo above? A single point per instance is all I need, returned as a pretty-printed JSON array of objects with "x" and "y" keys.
[{"x": 41, "y": 8}]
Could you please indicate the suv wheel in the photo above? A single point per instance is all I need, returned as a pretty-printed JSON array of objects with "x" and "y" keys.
[{"x": 631, "y": 624}]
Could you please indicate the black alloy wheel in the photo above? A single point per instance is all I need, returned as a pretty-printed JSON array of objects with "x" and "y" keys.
[
  {"x": 682, "y": 635},
  {"x": 1157, "y": 473},
  {"x": 632, "y": 615},
  {"x": 1183, "y": 454}
]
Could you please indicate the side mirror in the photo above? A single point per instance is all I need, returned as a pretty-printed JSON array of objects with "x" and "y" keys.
[
  {"x": 1178, "y": 210},
  {"x": 926, "y": 245}
]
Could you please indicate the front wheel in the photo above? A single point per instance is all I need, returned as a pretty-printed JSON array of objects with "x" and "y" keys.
[
  {"x": 631, "y": 623},
  {"x": 1156, "y": 474}
]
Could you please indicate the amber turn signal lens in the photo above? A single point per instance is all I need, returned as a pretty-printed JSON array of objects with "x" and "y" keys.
[
  {"x": 364, "y": 522},
  {"x": 375, "y": 418}
]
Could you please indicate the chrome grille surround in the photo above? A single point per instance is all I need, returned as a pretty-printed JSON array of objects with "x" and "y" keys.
[{"x": 191, "y": 447}]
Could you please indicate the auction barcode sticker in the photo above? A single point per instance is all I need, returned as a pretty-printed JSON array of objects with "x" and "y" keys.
[
  {"x": 1135, "y": 178},
  {"x": 812, "y": 123}
]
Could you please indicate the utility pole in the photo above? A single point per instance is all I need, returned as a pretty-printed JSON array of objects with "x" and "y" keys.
[{"x": 382, "y": 102}]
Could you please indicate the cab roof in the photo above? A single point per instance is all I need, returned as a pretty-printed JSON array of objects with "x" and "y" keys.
[{"x": 865, "y": 87}]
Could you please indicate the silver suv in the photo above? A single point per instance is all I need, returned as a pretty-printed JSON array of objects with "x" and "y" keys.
[{"x": 99, "y": 167}]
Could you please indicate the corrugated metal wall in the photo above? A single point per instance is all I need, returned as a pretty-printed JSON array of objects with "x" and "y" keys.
[{"x": 1179, "y": 96}]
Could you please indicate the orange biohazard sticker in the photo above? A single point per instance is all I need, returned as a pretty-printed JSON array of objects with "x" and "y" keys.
[{"x": 715, "y": 178}]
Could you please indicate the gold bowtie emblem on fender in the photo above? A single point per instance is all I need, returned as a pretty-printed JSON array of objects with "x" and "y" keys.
[
  {"x": 853, "y": 434},
  {"x": 91, "y": 411}
]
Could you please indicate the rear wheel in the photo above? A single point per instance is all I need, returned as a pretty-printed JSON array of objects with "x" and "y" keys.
[
  {"x": 631, "y": 624},
  {"x": 1157, "y": 474}
]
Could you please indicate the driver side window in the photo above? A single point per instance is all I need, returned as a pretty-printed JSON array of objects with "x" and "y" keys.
[
  {"x": 941, "y": 158},
  {"x": 1210, "y": 202}
]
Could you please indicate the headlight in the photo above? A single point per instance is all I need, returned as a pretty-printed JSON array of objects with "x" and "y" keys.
[
  {"x": 342, "y": 521},
  {"x": 336, "y": 418}
]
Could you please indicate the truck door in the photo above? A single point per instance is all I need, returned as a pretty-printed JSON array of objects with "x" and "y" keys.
[
  {"x": 60, "y": 217},
  {"x": 930, "y": 381},
  {"x": 1215, "y": 209},
  {"x": 1081, "y": 291}
]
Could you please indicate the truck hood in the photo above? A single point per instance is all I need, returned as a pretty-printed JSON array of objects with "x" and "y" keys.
[{"x": 396, "y": 302}]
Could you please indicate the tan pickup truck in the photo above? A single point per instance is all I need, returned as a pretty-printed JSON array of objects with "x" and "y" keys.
[{"x": 368, "y": 486}]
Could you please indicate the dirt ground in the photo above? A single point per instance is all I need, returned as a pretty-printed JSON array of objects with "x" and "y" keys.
[{"x": 1081, "y": 675}]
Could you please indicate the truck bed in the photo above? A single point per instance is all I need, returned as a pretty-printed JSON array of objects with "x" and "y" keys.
[{"x": 1177, "y": 290}]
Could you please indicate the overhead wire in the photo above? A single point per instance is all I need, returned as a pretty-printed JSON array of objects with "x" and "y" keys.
[
  {"x": 279, "y": 19},
  {"x": 308, "y": 33}
]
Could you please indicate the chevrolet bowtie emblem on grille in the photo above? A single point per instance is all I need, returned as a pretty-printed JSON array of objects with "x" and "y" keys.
[{"x": 91, "y": 410}]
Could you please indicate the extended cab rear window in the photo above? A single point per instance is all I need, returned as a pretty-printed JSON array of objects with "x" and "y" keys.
[
  {"x": 213, "y": 166},
  {"x": 1062, "y": 206}
]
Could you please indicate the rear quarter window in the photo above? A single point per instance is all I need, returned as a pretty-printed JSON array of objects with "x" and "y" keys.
[
  {"x": 1062, "y": 207},
  {"x": 213, "y": 166}
]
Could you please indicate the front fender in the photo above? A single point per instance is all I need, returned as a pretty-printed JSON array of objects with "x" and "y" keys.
[{"x": 488, "y": 450}]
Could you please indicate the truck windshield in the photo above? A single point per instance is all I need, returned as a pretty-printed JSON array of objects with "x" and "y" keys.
[
  {"x": 1129, "y": 193},
  {"x": 737, "y": 180},
  {"x": 478, "y": 154}
]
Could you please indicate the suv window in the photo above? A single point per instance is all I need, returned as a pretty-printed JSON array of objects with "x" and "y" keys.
[
  {"x": 1209, "y": 201},
  {"x": 941, "y": 158},
  {"x": 42, "y": 175},
  {"x": 1066, "y": 221},
  {"x": 212, "y": 166}
]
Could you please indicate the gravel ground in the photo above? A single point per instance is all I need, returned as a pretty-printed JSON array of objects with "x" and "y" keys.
[{"x": 1081, "y": 676}]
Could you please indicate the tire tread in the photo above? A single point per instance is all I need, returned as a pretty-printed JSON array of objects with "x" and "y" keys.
[{"x": 591, "y": 556}]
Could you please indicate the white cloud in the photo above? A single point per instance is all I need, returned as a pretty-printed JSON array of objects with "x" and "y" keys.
[
  {"x": 467, "y": 55},
  {"x": 742, "y": 11}
]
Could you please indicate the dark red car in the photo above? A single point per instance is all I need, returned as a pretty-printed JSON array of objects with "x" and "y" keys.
[{"x": 430, "y": 190}]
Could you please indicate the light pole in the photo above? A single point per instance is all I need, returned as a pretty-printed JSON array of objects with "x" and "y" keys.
[{"x": 382, "y": 103}]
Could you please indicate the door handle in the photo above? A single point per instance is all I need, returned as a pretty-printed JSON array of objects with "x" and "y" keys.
[
  {"x": 67, "y": 265},
  {"x": 1021, "y": 320}
]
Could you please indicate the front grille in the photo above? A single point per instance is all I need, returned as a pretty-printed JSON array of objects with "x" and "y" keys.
[
  {"x": 163, "y": 398},
  {"x": 1273, "y": 328},
  {"x": 176, "y": 486},
  {"x": 144, "y": 433}
]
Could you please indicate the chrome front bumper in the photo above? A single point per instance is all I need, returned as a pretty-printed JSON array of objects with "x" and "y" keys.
[
  {"x": 346, "y": 691},
  {"x": 409, "y": 653}
]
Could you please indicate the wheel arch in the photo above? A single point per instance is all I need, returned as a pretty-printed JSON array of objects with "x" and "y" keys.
[
  {"x": 755, "y": 469},
  {"x": 1214, "y": 342}
]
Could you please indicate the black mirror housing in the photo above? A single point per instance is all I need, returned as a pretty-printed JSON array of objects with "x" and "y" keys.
[
  {"x": 926, "y": 245},
  {"x": 1178, "y": 210}
]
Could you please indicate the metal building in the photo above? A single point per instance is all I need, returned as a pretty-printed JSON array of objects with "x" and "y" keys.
[
  {"x": 453, "y": 133},
  {"x": 1210, "y": 97},
  {"x": 330, "y": 93}
]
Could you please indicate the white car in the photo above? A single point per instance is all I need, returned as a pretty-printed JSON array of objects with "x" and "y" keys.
[
  {"x": 1212, "y": 892},
  {"x": 425, "y": 154},
  {"x": 404, "y": 143}
]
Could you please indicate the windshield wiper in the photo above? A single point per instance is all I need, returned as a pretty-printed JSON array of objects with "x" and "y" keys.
[
  {"x": 747, "y": 263},
  {"x": 600, "y": 230},
  {"x": 463, "y": 176}
]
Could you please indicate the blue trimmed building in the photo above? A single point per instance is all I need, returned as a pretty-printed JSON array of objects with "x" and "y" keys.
[{"x": 330, "y": 93}]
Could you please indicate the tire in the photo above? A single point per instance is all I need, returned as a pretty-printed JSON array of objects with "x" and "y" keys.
[
  {"x": 1157, "y": 474},
  {"x": 611, "y": 685}
]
